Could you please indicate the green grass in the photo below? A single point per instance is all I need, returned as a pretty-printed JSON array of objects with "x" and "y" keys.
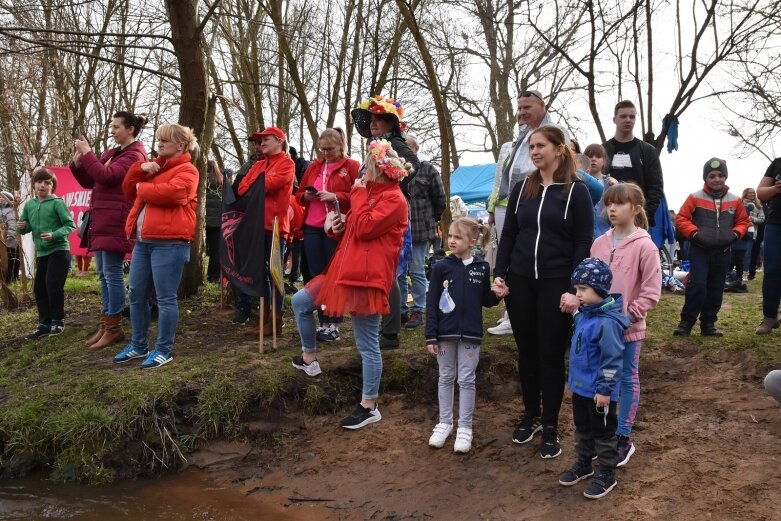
[{"x": 71, "y": 412}]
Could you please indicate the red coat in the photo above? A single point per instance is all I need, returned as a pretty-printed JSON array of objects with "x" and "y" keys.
[
  {"x": 170, "y": 198},
  {"x": 368, "y": 252},
  {"x": 715, "y": 229},
  {"x": 296, "y": 216},
  {"x": 340, "y": 182},
  {"x": 280, "y": 173},
  {"x": 109, "y": 207}
]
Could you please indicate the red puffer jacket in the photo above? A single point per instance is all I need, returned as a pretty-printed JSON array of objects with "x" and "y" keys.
[
  {"x": 280, "y": 173},
  {"x": 170, "y": 197},
  {"x": 109, "y": 205},
  {"x": 368, "y": 252},
  {"x": 340, "y": 182}
]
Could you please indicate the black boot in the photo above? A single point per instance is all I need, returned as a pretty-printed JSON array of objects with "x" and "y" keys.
[
  {"x": 684, "y": 328},
  {"x": 710, "y": 330}
]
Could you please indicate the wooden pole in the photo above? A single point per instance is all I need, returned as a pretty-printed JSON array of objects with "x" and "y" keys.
[
  {"x": 260, "y": 325},
  {"x": 222, "y": 291},
  {"x": 273, "y": 318}
]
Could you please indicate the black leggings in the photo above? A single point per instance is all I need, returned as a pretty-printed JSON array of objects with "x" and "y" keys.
[
  {"x": 50, "y": 274},
  {"x": 542, "y": 333}
]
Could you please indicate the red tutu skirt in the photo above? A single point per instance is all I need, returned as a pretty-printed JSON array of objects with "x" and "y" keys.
[{"x": 336, "y": 299}]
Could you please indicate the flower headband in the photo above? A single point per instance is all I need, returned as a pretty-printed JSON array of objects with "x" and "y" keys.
[
  {"x": 383, "y": 105},
  {"x": 393, "y": 167}
]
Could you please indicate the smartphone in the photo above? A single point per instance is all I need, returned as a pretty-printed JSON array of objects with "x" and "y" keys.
[
  {"x": 78, "y": 132},
  {"x": 336, "y": 206},
  {"x": 311, "y": 189},
  {"x": 778, "y": 178}
]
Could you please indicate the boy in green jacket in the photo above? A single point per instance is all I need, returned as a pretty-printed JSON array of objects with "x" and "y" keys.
[{"x": 50, "y": 222}]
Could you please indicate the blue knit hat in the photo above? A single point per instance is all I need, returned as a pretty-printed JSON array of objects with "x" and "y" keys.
[{"x": 595, "y": 273}]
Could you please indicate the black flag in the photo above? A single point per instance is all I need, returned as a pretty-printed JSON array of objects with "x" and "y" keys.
[{"x": 243, "y": 249}]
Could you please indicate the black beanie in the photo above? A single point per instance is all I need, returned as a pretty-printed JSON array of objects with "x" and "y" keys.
[{"x": 712, "y": 164}]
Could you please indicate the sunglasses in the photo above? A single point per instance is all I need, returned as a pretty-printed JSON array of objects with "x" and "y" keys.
[{"x": 529, "y": 94}]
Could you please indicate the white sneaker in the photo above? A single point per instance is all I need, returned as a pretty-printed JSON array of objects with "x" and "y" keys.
[
  {"x": 440, "y": 434},
  {"x": 463, "y": 442},
  {"x": 504, "y": 328},
  {"x": 312, "y": 369}
]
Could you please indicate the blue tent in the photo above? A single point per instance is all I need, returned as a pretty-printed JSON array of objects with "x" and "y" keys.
[{"x": 473, "y": 183}]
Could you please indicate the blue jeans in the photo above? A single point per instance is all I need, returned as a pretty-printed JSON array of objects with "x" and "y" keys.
[
  {"x": 771, "y": 284},
  {"x": 367, "y": 340},
  {"x": 318, "y": 250},
  {"x": 629, "y": 388},
  {"x": 417, "y": 274},
  {"x": 161, "y": 265},
  {"x": 108, "y": 264}
]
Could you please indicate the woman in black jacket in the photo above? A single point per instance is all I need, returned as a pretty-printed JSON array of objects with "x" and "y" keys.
[{"x": 547, "y": 232}]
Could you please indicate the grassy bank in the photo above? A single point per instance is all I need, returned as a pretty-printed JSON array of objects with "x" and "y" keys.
[{"x": 72, "y": 413}]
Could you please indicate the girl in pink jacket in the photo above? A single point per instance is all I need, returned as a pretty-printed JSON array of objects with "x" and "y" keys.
[{"x": 634, "y": 260}]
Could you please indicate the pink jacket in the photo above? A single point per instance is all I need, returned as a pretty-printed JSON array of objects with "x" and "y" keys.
[{"x": 636, "y": 275}]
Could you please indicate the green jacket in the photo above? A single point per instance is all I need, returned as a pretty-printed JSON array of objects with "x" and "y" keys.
[{"x": 49, "y": 215}]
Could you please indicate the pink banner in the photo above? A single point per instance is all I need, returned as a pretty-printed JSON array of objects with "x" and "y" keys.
[{"x": 76, "y": 198}]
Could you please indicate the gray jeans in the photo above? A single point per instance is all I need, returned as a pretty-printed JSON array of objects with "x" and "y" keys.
[
  {"x": 457, "y": 360},
  {"x": 772, "y": 384}
]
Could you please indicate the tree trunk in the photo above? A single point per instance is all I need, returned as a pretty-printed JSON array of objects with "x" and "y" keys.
[{"x": 190, "y": 53}]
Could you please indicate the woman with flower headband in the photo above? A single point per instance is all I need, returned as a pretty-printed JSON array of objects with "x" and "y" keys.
[
  {"x": 359, "y": 277},
  {"x": 380, "y": 118}
]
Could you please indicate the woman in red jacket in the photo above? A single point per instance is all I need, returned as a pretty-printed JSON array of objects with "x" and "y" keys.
[
  {"x": 360, "y": 274},
  {"x": 105, "y": 234},
  {"x": 325, "y": 184},
  {"x": 280, "y": 172},
  {"x": 162, "y": 221}
]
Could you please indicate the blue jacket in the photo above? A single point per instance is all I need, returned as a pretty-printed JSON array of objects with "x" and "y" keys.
[
  {"x": 470, "y": 288},
  {"x": 597, "y": 350}
]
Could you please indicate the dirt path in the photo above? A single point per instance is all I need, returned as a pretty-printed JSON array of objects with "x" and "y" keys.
[{"x": 708, "y": 440}]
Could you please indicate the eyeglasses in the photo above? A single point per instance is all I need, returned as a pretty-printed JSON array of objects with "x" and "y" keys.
[
  {"x": 529, "y": 94},
  {"x": 327, "y": 149}
]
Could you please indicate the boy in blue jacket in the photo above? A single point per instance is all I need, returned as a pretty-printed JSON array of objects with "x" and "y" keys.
[{"x": 595, "y": 363}]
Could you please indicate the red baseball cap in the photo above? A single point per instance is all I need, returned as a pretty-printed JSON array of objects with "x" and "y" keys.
[{"x": 270, "y": 131}]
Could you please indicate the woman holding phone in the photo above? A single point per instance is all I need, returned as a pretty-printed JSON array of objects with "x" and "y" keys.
[
  {"x": 109, "y": 208},
  {"x": 325, "y": 187}
]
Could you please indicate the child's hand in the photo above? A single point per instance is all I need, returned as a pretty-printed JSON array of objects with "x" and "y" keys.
[
  {"x": 601, "y": 400},
  {"x": 569, "y": 303},
  {"x": 499, "y": 288},
  {"x": 433, "y": 349}
]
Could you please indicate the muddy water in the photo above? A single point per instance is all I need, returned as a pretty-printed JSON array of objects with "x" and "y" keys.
[{"x": 187, "y": 496}]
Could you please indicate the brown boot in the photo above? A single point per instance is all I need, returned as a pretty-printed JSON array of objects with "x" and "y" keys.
[
  {"x": 114, "y": 333},
  {"x": 267, "y": 327},
  {"x": 767, "y": 325},
  {"x": 255, "y": 331},
  {"x": 96, "y": 337}
]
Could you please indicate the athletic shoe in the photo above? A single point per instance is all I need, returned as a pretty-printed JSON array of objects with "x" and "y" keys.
[
  {"x": 58, "y": 326},
  {"x": 463, "y": 442},
  {"x": 40, "y": 331},
  {"x": 361, "y": 417},
  {"x": 312, "y": 368},
  {"x": 130, "y": 353},
  {"x": 329, "y": 334},
  {"x": 527, "y": 427},
  {"x": 550, "y": 447},
  {"x": 241, "y": 317},
  {"x": 625, "y": 450},
  {"x": 156, "y": 359},
  {"x": 601, "y": 485},
  {"x": 581, "y": 470},
  {"x": 504, "y": 328},
  {"x": 440, "y": 435},
  {"x": 415, "y": 320},
  {"x": 389, "y": 342},
  {"x": 710, "y": 330}
]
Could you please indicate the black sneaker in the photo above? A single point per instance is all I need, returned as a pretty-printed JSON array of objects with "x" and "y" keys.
[
  {"x": 58, "y": 326},
  {"x": 710, "y": 330},
  {"x": 361, "y": 417},
  {"x": 329, "y": 334},
  {"x": 601, "y": 485},
  {"x": 241, "y": 317},
  {"x": 581, "y": 470},
  {"x": 389, "y": 342},
  {"x": 415, "y": 320},
  {"x": 40, "y": 331},
  {"x": 625, "y": 450},
  {"x": 527, "y": 427},
  {"x": 550, "y": 447},
  {"x": 683, "y": 329}
]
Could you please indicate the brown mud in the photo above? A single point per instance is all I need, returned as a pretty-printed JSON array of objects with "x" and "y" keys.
[{"x": 708, "y": 447}]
